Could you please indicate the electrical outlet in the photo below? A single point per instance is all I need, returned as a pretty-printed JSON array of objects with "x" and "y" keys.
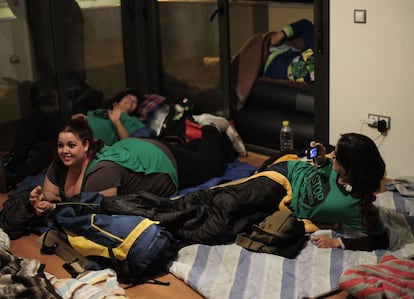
[{"x": 375, "y": 118}]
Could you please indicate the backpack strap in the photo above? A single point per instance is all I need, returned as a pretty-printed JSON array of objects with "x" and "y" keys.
[{"x": 52, "y": 243}]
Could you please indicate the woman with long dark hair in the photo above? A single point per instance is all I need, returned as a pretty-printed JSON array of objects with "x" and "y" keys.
[{"x": 339, "y": 192}]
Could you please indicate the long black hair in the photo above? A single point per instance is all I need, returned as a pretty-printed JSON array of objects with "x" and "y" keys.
[{"x": 365, "y": 169}]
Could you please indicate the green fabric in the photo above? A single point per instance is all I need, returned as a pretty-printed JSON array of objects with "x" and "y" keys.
[
  {"x": 288, "y": 31},
  {"x": 137, "y": 155},
  {"x": 104, "y": 129},
  {"x": 275, "y": 51},
  {"x": 317, "y": 196},
  {"x": 302, "y": 66}
]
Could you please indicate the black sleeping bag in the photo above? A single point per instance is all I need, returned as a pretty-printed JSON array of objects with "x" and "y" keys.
[{"x": 207, "y": 216}]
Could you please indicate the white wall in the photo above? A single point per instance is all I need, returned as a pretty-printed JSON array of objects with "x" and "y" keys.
[{"x": 372, "y": 71}]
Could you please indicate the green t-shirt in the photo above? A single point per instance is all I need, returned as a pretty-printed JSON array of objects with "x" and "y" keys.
[
  {"x": 317, "y": 196},
  {"x": 137, "y": 155},
  {"x": 104, "y": 129}
]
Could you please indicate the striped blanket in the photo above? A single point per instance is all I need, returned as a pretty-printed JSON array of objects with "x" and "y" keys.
[
  {"x": 391, "y": 278},
  {"x": 229, "y": 271}
]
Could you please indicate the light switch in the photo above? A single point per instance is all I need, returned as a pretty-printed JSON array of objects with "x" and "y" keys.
[{"x": 360, "y": 16}]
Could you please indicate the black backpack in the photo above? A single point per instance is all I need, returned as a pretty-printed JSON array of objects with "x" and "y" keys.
[{"x": 18, "y": 218}]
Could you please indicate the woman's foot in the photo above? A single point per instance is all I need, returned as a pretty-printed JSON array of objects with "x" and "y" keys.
[
  {"x": 225, "y": 127},
  {"x": 206, "y": 119}
]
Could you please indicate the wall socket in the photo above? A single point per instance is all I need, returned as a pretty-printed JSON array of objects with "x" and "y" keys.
[{"x": 374, "y": 118}]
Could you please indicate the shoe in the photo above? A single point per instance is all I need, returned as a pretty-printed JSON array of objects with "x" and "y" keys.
[
  {"x": 206, "y": 119},
  {"x": 236, "y": 140}
]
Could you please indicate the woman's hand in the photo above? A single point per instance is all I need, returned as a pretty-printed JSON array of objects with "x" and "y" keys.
[
  {"x": 38, "y": 201},
  {"x": 79, "y": 115},
  {"x": 36, "y": 196},
  {"x": 115, "y": 117},
  {"x": 277, "y": 38},
  {"x": 320, "y": 146},
  {"x": 115, "y": 114},
  {"x": 43, "y": 207},
  {"x": 321, "y": 158},
  {"x": 322, "y": 241}
]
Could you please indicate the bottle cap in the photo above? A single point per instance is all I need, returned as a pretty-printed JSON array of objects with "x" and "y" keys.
[{"x": 285, "y": 123}]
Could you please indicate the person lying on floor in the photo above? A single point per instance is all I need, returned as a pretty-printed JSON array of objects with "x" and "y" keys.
[
  {"x": 111, "y": 125},
  {"x": 285, "y": 61},
  {"x": 334, "y": 192},
  {"x": 83, "y": 164},
  {"x": 121, "y": 121}
]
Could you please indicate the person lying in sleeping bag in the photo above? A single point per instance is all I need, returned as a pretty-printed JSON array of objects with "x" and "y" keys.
[{"x": 335, "y": 192}]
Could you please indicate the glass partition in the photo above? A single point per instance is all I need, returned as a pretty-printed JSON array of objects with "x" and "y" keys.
[
  {"x": 189, "y": 37},
  {"x": 71, "y": 48},
  {"x": 253, "y": 17},
  {"x": 16, "y": 70},
  {"x": 103, "y": 45}
]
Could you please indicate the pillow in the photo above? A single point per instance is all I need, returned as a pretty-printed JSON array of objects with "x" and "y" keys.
[{"x": 149, "y": 105}]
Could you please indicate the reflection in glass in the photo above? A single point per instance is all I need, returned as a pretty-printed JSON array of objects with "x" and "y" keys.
[{"x": 190, "y": 52}]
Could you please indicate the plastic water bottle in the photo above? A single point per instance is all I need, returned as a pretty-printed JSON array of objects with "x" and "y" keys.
[{"x": 286, "y": 136}]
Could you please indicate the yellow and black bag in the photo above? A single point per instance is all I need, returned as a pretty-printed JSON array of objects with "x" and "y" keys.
[{"x": 136, "y": 247}]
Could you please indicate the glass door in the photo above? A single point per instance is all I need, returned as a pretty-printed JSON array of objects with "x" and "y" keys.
[
  {"x": 78, "y": 50},
  {"x": 57, "y": 57},
  {"x": 16, "y": 69},
  {"x": 190, "y": 53},
  {"x": 103, "y": 54}
]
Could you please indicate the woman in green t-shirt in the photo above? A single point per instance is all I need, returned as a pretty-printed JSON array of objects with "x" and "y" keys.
[
  {"x": 338, "y": 192},
  {"x": 112, "y": 125}
]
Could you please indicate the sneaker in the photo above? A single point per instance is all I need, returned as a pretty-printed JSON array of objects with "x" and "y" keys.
[
  {"x": 206, "y": 119},
  {"x": 236, "y": 140}
]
